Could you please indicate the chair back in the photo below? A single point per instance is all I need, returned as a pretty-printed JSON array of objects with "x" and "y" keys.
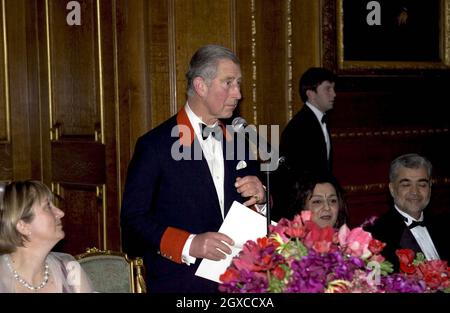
[{"x": 112, "y": 271}]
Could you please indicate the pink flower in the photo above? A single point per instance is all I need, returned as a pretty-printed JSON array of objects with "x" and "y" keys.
[
  {"x": 306, "y": 215},
  {"x": 356, "y": 241}
]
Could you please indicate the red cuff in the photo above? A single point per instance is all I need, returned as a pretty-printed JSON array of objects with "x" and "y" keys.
[{"x": 172, "y": 243}]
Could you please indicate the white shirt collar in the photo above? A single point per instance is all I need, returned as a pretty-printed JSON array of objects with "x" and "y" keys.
[
  {"x": 316, "y": 111},
  {"x": 409, "y": 219},
  {"x": 195, "y": 120}
]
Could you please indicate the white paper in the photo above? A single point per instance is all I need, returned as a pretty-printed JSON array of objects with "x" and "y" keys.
[{"x": 241, "y": 224}]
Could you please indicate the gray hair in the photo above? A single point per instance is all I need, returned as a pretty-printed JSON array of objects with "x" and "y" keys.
[
  {"x": 204, "y": 64},
  {"x": 410, "y": 160}
]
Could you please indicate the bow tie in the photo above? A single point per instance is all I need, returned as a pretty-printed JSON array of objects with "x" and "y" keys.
[
  {"x": 216, "y": 131},
  {"x": 324, "y": 119},
  {"x": 415, "y": 223}
]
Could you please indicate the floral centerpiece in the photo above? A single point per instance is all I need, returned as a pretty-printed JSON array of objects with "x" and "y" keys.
[
  {"x": 299, "y": 256},
  {"x": 435, "y": 273}
]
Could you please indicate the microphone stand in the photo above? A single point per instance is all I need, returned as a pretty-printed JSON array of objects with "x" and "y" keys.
[{"x": 268, "y": 208}]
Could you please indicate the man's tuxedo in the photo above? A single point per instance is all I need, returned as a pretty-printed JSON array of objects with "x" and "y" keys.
[
  {"x": 391, "y": 229},
  {"x": 162, "y": 193}
]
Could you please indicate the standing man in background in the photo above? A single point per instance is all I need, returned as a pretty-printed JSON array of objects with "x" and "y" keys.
[
  {"x": 173, "y": 207},
  {"x": 305, "y": 142}
]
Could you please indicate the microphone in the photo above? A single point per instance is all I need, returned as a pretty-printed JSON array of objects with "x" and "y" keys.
[
  {"x": 241, "y": 127},
  {"x": 282, "y": 161},
  {"x": 239, "y": 124}
]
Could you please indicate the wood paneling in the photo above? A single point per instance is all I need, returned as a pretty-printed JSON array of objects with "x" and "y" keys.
[
  {"x": 101, "y": 85},
  {"x": 78, "y": 96},
  {"x": 197, "y": 23},
  {"x": 74, "y": 75},
  {"x": 4, "y": 79},
  {"x": 83, "y": 225}
]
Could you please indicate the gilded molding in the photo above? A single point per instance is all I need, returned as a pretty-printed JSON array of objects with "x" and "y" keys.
[
  {"x": 358, "y": 65},
  {"x": 6, "y": 74},
  {"x": 366, "y": 188},
  {"x": 100, "y": 193},
  {"x": 328, "y": 33},
  {"x": 390, "y": 133},
  {"x": 288, "y": 30},
  {"x": 54, "y": 129},
  {"x": 254, "y": 72},
  {"x": 384, "y": 186},
  {"x": 172, "y": 58},
  {"x": 117, "y": 105},
  {"x": 100, "y": 137},
  {"x": 446, "y": 44}
]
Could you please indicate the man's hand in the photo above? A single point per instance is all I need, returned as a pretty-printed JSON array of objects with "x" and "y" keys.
[
  {"x": 211, "y": 246},
  {"x": 251, "y": 187}
]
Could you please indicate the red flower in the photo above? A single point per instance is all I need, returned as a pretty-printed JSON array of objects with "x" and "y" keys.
[
  {"x": 229, "y": 275},
  {"x": 406, "y": 258},
  {"x": 279, "y": 273},
  {"x": 376, "y": 246},
  {"x": 435, "y": 274}
]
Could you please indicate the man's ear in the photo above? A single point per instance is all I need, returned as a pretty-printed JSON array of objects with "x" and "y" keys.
[
  {"x": 200, "y": 86},
  {"x": 391, "y": 189},
  {"x": 310, "y": 94}
]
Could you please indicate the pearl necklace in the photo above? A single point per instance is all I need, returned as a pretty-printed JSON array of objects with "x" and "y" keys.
[{"x": 22, "y": 281}]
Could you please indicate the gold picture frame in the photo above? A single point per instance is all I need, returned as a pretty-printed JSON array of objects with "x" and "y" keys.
[{"x": 434, "y": 56}]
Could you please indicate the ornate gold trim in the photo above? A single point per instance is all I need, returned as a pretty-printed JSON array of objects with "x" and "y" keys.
[
  {"x": 365, "y": 187},
  {"x": 390, "y": 133},
  {"x": 349, "y": 65},
  {"x": 54, "y": 129},
  {"x": 117, "y": 105},
  {"x": 100, "y": 193},
  {"x": 254, "y": 68},
  {"x": 384, "y": 186},
  {"x": 446, "y": 44},
  {"x": 6, "y": 75},
  {"x": 172, "y": 58},
  {"x": 100, "y": 137},
  {"x": 288, "y": 30},
  {"x": 136, "y": 266}
]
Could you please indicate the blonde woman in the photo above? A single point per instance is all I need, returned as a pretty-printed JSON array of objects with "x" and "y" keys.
[{"x": 30, "y": 226}]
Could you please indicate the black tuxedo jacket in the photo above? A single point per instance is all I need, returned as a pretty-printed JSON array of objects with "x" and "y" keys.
[
  {"x": 391, "y": 229},
  {"x": 162, "y": 192},
  {"x": 303, "y": 144}
]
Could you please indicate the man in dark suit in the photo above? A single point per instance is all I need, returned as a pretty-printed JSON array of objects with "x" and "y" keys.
[
  {"x": 406, "y": 225},
  {"x": 182, "y": 180},
  {"x": 305, "y": 142}
]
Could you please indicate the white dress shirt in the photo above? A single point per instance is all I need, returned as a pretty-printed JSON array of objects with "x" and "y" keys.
[
  {"x": 422, "y": 236},
  {"x": 319, "y": 114},
  {"x": 212, "y": 150}
]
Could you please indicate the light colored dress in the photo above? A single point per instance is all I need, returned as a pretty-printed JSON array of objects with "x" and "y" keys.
[{"x": 64, "y": 270}]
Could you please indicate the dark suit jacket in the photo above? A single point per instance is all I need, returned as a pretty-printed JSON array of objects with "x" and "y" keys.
[
  {"x": 161, "y": 192},
  {"x": 303, "y": 144},
  {"x": 391, "y": 229}
]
